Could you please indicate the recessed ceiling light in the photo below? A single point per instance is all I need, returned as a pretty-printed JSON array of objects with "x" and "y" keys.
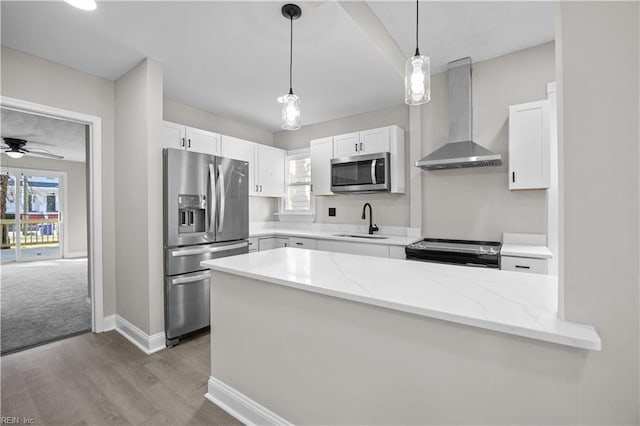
[{"x": 83, "y": 4}]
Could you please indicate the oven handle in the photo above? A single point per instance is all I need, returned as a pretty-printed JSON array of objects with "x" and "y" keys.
[
  {"x": 478, "y": 265},
  {"x": 373, "y": 172},
  {"x": 204, "y": 250},
  {"x": 191, "y": 279}
]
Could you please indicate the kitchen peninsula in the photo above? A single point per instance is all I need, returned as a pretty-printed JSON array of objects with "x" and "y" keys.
[{"x": 320, "y": 337}]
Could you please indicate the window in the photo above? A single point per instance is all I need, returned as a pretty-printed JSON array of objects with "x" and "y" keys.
[
  {"x": 298, "y": 198},
  {"x": 52, "y": 204}
]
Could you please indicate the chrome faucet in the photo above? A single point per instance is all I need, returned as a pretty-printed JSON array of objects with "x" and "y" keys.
[{"x": 372, "y": 228}]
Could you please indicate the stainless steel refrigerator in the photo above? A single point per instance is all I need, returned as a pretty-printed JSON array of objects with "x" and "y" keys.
[{"x": 206, "y": 216}]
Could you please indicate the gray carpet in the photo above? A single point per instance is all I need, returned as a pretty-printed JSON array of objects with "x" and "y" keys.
[{"x": 43, "y": 301}]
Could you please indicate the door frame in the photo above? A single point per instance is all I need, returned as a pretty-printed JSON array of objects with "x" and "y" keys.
[
  {"x": 94, "y": 207},
  {"x": 62, "y": 194}
]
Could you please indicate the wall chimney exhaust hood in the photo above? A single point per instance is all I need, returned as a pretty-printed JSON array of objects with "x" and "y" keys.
[{"x": 460, "y": 151}]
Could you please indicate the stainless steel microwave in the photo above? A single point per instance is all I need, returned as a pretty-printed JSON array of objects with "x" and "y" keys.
[{"x": 361, "y": 174}]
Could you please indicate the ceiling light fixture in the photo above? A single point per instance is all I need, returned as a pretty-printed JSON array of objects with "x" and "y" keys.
[
  {"x": 83, "y": 4},
  {"x": 417, "y": 75},
  {"x": 14, "y": 154},
  {"x": 290, "y": 102}
]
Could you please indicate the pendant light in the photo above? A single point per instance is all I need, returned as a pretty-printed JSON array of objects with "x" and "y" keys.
[
  {"x": 290, "y": 102},
  {"x": 83, "y": 4},
  {"x": 417, "y": 75}
]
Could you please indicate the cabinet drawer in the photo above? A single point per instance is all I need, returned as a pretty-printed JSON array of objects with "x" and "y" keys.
[
  {"x": 524, "y": 264},
  {"x": 306, "y": 243},
  {"x": 272, "y": 243}
]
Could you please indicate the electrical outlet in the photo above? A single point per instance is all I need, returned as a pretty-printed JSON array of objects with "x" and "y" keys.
[{"x": 332, "y": 211}]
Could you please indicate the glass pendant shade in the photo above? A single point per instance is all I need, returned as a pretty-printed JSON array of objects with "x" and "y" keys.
[
  {"x": 290, "y": 111},
  {"x": 83, "y": 4},
  {"x": 417, "y": 80},
  {"x": 14, "y": 154}
]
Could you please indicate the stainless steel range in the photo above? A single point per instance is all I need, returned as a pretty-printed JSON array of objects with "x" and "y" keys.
[{"x": 484, "y": 254}]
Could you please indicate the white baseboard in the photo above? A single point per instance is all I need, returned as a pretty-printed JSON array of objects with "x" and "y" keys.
[
  {"x": 144, "y": 342},
  {"x": 74, "y": 254},
  {"x": 241, "y": 406},
  {"x": 109, "y": 323}
]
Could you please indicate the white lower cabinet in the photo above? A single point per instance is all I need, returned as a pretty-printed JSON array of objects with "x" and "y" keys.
[
  {"x": 272, "y": 243},
  {"x": 376, "y": 250},
  {"x": 523, "y": 264},
  {"x": 306, "y": 243},
  {"x": 397, "y": 252}
]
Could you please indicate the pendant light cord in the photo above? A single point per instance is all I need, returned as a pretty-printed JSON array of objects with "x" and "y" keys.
[
  {"x": 291, "y": 58},
  {"x": 417, "y": 14}
]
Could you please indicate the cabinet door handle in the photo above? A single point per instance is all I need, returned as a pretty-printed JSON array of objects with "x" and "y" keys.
[
  {"x": 513, "y": 177},
  {"x": 360, "y": 146},
  {"x": 256, "y": 188},
  {"x": 189, "y": 142},
  {"x": 182, "y": 143},
  {"x": 260, "y": 188},
  {"x": 523, "y": 267},
  {"x": 356, "y": 147},
  {"x": 299, "y": 244}
]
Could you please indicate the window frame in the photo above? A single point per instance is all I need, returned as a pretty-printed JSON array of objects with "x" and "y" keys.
[{"x": 297, "y": 154}]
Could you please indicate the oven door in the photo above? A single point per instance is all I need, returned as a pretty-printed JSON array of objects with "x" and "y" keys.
[{"x": 363, "y": 173}]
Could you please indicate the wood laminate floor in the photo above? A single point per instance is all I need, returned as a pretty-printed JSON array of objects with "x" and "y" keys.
[{"x": 102, "y": 379}]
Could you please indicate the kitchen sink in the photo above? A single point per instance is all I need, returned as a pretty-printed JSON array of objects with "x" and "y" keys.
[{"x": 370, "y": 237}]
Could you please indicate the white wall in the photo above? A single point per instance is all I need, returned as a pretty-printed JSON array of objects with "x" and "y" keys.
[
  {"x": 346, "y": 363},
  {"x": 475, "y": 203},
  {"x": 75, "y": 212},
  {"x": 388, "y": 209},
  {"x": 461, "y": 203},
  {"x": 598, "y": 93},
  {"x": 138, "y": 183},
  {"x": 33, "y": 79},
  {"x": 190, "y": 116}
]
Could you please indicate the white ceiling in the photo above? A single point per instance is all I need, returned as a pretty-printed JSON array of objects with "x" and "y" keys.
[
  {"x": 231, "y": 58},
  {"x": 66, "y": 138}
]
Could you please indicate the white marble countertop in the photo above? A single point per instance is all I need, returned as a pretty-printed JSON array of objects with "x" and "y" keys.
[
  {"x": 390, "y": 240},
  {"x": 525, "y": 250},
  {"x": 508, "y": 302}
]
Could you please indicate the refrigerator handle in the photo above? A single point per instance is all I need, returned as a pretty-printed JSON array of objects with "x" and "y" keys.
[
  {"x": 212, "y": 201},
  {"x": 223, "y": 196}
]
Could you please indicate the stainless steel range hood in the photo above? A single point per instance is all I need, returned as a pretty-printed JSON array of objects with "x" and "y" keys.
[{"x": 461, "y": 151}]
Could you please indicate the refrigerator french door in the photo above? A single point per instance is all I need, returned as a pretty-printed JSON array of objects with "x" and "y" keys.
[{"x": 206, "y": 216}]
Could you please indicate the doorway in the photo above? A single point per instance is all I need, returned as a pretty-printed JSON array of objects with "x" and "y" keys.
[
  {"x": 45, "y": 293},
  {"x": 31, "y": 211}
]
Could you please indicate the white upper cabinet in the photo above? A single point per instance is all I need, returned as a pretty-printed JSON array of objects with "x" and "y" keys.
[
  {"x": 203, "y": 141},
  {"x": 240, "y": 149},
  {"x": 364, "y": 142},
  {"x": 346, "y": 145},
  {"x": 375, "y": 140},
  {"x": 321, "y": 155},
  {"x": 529, "y": 138},
  {"x": 266, "y": 165},
  {"x": 183, "y": 137},
  {"x": 270, "y": 163},
  {"x": 173, "y": 135}
]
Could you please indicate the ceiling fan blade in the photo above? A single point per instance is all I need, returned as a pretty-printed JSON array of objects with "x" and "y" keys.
[{"x": 43, "y": 153}]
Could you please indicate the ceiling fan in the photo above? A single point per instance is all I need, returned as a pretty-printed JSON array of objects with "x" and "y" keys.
[{"x": 15, "y": 148}]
